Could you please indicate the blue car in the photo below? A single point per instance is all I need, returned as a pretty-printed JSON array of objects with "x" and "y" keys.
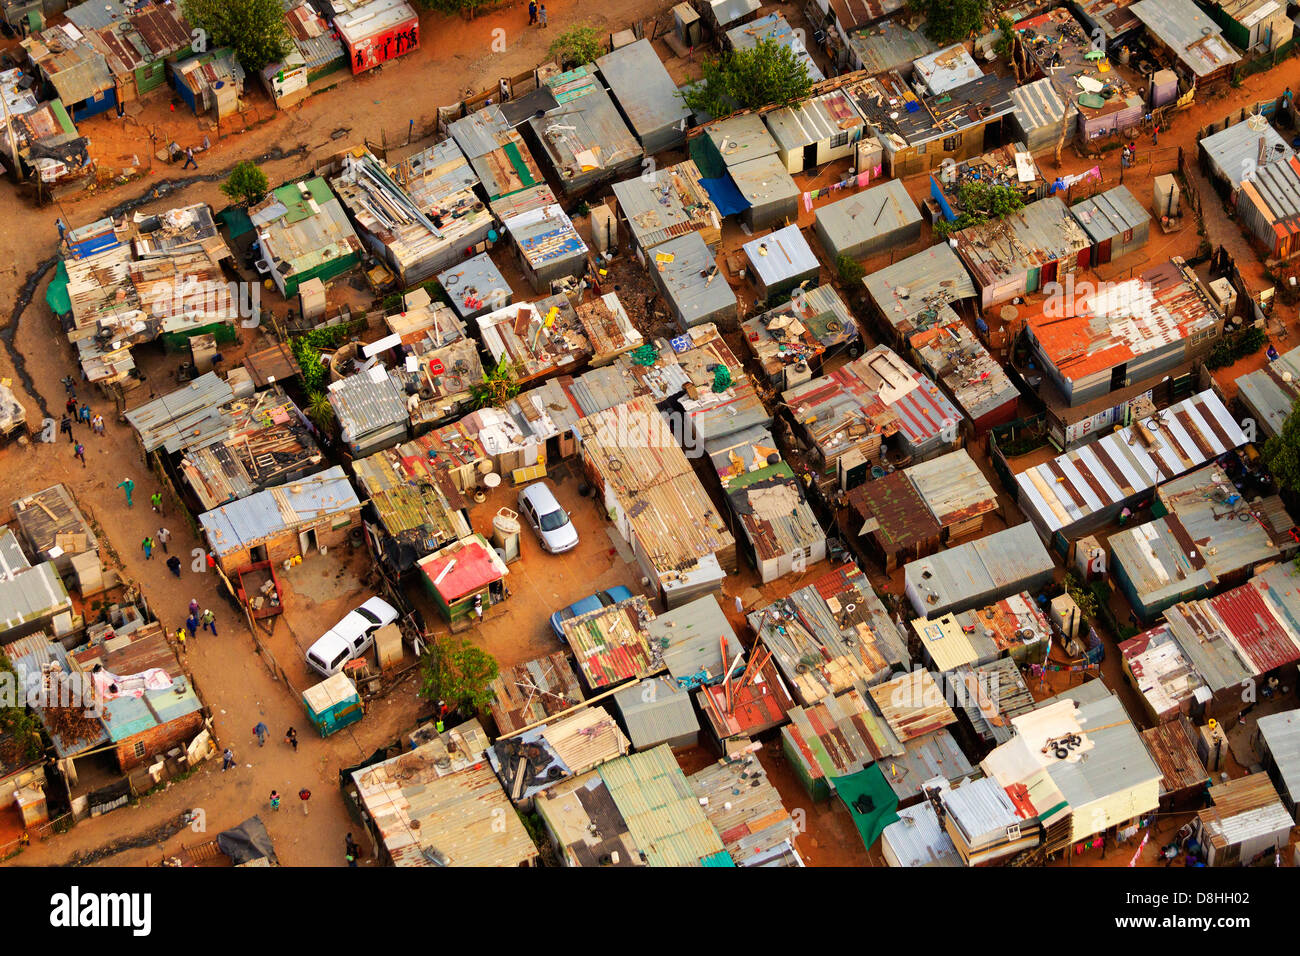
[{"x": 590, "y": 603}]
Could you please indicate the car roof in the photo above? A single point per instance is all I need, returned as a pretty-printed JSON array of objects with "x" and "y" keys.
[{"x": 540, "y": 494}]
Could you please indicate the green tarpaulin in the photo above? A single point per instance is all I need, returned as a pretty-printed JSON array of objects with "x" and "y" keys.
[
  {"x": 870, "y": 800},
  {"x": 56, "y": 296}
]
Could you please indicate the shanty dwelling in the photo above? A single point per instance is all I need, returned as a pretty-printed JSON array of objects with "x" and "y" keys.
[
  {"x": 769, "y": 195},
  {"x": 1103, "y": 783},
  {"x": 475, "y": 287},
  {"x": 1189, "y": 37},
  {"x": 1010, "y": 167},
  {"x": 1252, "y": 25},
  {"x": 780, "y": 261},
  {"x": 747, "y": 811},
  {"x": 657, "y": 710},
  {"x": 691, "y": 637},
  {"x": 1245, "y": 821},
  {"x": 918, "y": 839},
  {"x": 23, "y": 781},
  {"x": 547, "y": 245},
  {"x": 1172, "y": 746},
  {"x": 497, "y": 153},
  {"x": 880, "y": 47},
  {"x": 210, "y": 82},
  {"x": 34, "y": 599},
  {"x": 977, "y": 382},
  {"x": 956, "y": 492},
  {"x": 1232, "y": 155},
  {"x": 781, "y": 534},
  {"x": 315, "y": 41},
  {"x": 742, "y": 173},
  {"x": 583, "y": 139},
  {"x": 1269, "y": 393},
  {"x": 755, "y": 702},
  {"x": 1113, "y": 19},
  {"x": 830, "y": 636},
  {"x": 584, "y": 824},
  {"x": 818, "y": 130},
  {"x": 792, "y": 341},
  {"x": 377, "y": 31},
  {"x": 687, "y": 276},
  {"x": 285, "y": 81},
  {"x": 1169, "y": 685},
  {"x": 458, "y": 573},
  {"x": 1268, "y": 205},
  {"x": 835, "y": 737},
  {"x": 610, "y": 644},
  {"x": 914, "y": 708},
  {"x": 1277, "y": 741},
  {"x": 946, "y": 69},
  {"x": 1084, "y": 489},
  {"x": 1188, "y": 551},
  {"x": 889, "y": 523},
  {"x": 304, "y": 234},
  {"x": 372, "y": 410},
  {"x": 667, "y": 204},
  {"x": 646, "y": 96},
  {"x": 1041, "y": 114},
  {"x": 883, "y": 217},
  {"x": 312, "y": 514},
  {"x": 440, "y": 804},
  {"x": 533, "y": 691},
  {"x": 978, "y": 572},
  {"x": 53, "y": 528},
  {"x": 721, "y": 15},
  {"x": 982, "y": 821},
  {"x": 918, "y": 293},
  {"x": 71, "y": 71},
  {"x": 774, "y": 27},
  {"x": 1040, "y": 244},
  {"x": 139, "y": 42},
  {"x": 1116, "y": 224},
  {"x": 530, "y": 762},
  {"x": 991, "y": 694}
]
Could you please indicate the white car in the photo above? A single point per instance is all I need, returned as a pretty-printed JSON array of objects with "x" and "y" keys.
[
  {"x": 350, "y": 637},
  {"x": 551, "y": 522}
]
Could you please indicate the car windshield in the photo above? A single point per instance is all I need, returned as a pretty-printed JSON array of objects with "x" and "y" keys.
[
  {"x": 367, "y": 615},
  {"x": 553, "y": 521}
]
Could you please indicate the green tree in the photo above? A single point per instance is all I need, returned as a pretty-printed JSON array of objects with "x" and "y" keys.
[
  {"x": 1282, "y": 454},
  {"x": 981, "y": 202},
  {"x": 497, "y": 386},
  {"x": 459, "y": 673},
  {"x": 850, "y": 270},
  {"x": 578, "y": 46},
  {"x": 20, "y": 732},
  {"x": 254, "y": 29},
  {"x": 246, "y": 183},
  {"x": 950, "y": 21},
  {"x": 320, "y": 411},
  {"x": 768, "y": 73},
  {"x": 1007, "y": 38}
]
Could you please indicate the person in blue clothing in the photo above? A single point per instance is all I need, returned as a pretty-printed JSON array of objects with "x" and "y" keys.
[{"x": 260, "y": 731}]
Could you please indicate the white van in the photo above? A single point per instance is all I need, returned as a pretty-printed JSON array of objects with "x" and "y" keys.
[{"x": 350, "y": 637}]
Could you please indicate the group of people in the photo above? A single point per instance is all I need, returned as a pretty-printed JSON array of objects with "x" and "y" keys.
[
  {"x": 207, "y": 620},
  {"x": 78, "y": 413},
  {"x": 1129, "y": 156},
  {"x": 537, "y": 14}
]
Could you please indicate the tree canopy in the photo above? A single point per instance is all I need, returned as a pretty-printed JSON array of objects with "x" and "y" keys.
[
  {"x": 950, "y": 21},
  {"x": 981, "y": 202},
  {"x": 769, "y": 73},
  {"x": 246, "y": 183},
  {"x": 459, "y": 673},
  {"x": 1282, "y": 454},
  {"x": 577, "y": 46},
  {"x": 254, "y": 29}
]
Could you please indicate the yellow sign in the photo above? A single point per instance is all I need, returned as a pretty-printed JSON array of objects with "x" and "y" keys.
[
  {"x": 664, "y": 257},
  {"x": 550, "y": 316}
]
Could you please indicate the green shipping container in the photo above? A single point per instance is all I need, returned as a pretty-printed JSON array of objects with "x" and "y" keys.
[{"x": 333, "y": 704}]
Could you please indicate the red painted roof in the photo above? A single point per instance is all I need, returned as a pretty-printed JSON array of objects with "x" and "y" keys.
[
  {"x": 475, "y": 569},
  {"x": 1254, "y": 627}
]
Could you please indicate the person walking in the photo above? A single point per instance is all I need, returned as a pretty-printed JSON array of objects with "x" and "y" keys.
[
  {"x": 192, "y": 625},
  {"x": 65, "y": 426},
  {"x": 189, "y": 158},
  {"x": 532, "y": 12},
  {"x": 292, "y": 738},
  {"x": 84, "y": 414},
  {"x": 1155, "y": 134},
  {"x": 155, "y": 499},
  {"x": 209, "y": 621},
  {"x": 79, "y": 451},
  {"x": 304, "y": 795},
  {"x": 127, "y": 485},
  {"x": 174, "y": 566},
  {"x": 147, "y": 544},
  {"x": 275, "y": 800},
  {"x": 180, "y": 639},
  {"x": 227, "y": 759},
  {"x": 70, "y": 406},
  {"x": 194, "y": 606},
  {"x": 541, "y": 15},
  {"x": 163, "y": 537},
  {"x": 351, "y": 850},
  {"x": 97, "y": 424},
  {"x": 260, "y": 732}
]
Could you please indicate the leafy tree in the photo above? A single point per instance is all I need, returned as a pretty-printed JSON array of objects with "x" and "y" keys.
[
  {"x": 459, "y": 673},
  {"x": 320, "y": 411},
  {"x": 497, "y": 386},
  {"x": 254, "y": 29},
  {"x": 246, "y": 183},
  {"x": 850, "y": 270},
  {"x": 20, "y": 734},
  {"x": 769, "y": 73},
  {"x": 1282, "y": 454},
  {"x": 577, "y": 46},
  {"x": 981, "y": 202},
  {"x": 1004, "y": 43},
  {"x": 949, "y": 21}
]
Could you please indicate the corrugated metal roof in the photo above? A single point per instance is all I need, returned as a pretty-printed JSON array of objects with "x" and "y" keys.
[
  {"x": 1247, "y": 808},
  {"x": 31, "y": 594},
  {"x": 888, "y": 46},
  {"x": 586, "y": 823},
  {"x": 925, "y": 758},
  {"x": 775, "y": 514},
  {"x": 532, "y": 691},
  {"x": 953, "y": 487},
  {"x": 171, "y": 420},
  {"x": 947, "y": 69},
  {"x": 655, "y": 711},
  {"x": 643, "y": 88},
  {"x": 917, "y": 838},
  {"x": 1110, "y": 214},
  {"x": 366, "y": 402},
  {"x": 765, "y": 183},
  {"x": 882, "y": 210},
  {"x": 838, "y": 736},
  {"x": 583, "y": 138},
  {"x": 252, "y": 520},
  {"x": 746, "y": 810},
  {"x": 1274, "y": 189},
  {"x": 912, "y": 705},
  {"x": 1039, "y": 106},
  {"x": 974, "y": 378},
  {"x": 1083, "y": 486},
  {"x": 689, "y": 638},
  {"x": 12, "y": 558},
  {"x": 781, "y": 256},
  {"x": 900, "y": 521},
  {"x": 1189, "y": 32},
  {"x": 1281, "y": 735},
  {"x": 741, "y": 139},
  {"x": 671, "y": 204},
  {"x": 814, "y": 120},
  {"x": 1267, "y": 393},
  {"x": 774, "y": 27},
  {"x": 691, "y": 294},
  {"x": 995, "y": 692},
  {"x": 980, "y": 808},
  {"x": 1040, "y": 233},
  {"x": 662, "y": 812},
  {"x": 1172, "y": 746},
  {"x": 729, "y": 11},
  {"x": 916, "y": 293},
  {"x": 978, "y": 572},
  {"x": 571, "y": 745}
]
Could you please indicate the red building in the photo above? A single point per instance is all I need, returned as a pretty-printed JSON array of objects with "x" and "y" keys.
[{"x": 377, "y": 31}]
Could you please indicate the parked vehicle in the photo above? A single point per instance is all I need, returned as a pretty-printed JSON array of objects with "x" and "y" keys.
[
  {"x": 350, "y": 637},
  {"x": 592, "y": 601},
  {"x": 538, "y": 505}
]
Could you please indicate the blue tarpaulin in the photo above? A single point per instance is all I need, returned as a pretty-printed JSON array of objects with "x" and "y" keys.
[{"x": 725, "y": 195}]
